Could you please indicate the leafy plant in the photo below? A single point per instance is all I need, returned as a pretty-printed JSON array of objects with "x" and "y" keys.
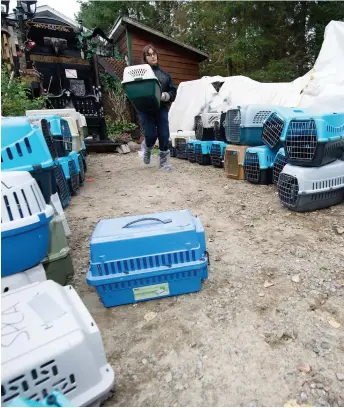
[
  {"x": 15, "y": 96},
  {"x": 117, "y": 129}
]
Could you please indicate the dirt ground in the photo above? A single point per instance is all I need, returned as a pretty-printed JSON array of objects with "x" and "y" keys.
[{"x": 267, "y": 328}]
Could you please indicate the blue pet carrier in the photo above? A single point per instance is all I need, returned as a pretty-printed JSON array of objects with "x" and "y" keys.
[
  {"x": 258, "y": 164},
  {"x": 25, "y": 218},
  {"x": 54, "y": 399},
  {"x": 190, "y": 151},
  {"x": 147, "y": 257},
  {"x": 29, "y": 148},
  {"x": 279, "y": 163},
  {"x": 59, "y": 131},
  {"x": 217, "y": 153},
  {"x": 244, "y": 125},
  {"x": 70, "y": 166},
  {"x": 313, "y": 140},
  {"x": 202, "y": 152}
]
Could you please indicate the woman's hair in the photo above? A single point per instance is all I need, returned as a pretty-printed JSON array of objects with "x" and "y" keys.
[{"x": 145, "y": 51}]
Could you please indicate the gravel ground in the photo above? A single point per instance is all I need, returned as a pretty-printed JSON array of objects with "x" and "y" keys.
[{"x": 267, "y": 327}]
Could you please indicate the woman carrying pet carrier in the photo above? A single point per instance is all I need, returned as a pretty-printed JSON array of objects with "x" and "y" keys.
[{"x": 155, "y": 125}]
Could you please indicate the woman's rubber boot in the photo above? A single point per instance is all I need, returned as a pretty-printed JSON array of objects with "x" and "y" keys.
[
  {"x": 146, "y": 153},
  {"x": 164, "y": 162}
]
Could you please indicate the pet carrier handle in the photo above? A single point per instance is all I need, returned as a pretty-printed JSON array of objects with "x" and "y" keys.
[{"x": 167, "y": 221}]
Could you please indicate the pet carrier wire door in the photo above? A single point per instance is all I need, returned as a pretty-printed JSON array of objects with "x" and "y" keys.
[
  {"x": 204, "y": 125},
  {"x": 279, "y": 163},
  {"x": 72, "y": 117},
  {"x": 233, "y": 162},
  {"x": 70, "y": 165},
  {"x": 20, "y": 279},
  {"x": 219, "y": 128},
  {"x": 315, "y": 140},
  {"x": 142, "y": 87},
  {"x": 180, "y": 143},
  {"x": 311, "y": 188},
  {"x": 24, "y": 147},
  {"x": 217, "y": 152},
  {"x": 258, "y": 164},
  {"x": 202, "y": 152},
  {"x": 25, "y": 221},
  {"x": 58, "y": 347},
  {"x": 244, "y": 125},
  {"x": 62, "y": 186},
  {"x": 139, "y": 258}
]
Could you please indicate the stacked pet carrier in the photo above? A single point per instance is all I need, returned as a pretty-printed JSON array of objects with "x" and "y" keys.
[
  {"x": 313, "y": 177},
  {"x": 246, "y": 157},
  {"x": 30, "y": 224},
  {"x": 147, "y": 257},
  {"x": 70, "y": 133},
  {"x": 207, "y": 129},
  {"x": 54, "y": 348},
  {"x": 25, "y": 219}
]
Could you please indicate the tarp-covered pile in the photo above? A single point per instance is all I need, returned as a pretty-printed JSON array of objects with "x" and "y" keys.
[{"x": 322, "y": 88}]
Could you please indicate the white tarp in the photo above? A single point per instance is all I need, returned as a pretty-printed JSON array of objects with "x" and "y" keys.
[{"x": 322, "y": 88}]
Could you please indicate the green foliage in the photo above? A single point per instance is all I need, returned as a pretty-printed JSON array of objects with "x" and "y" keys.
[
  {"x": 15, "y": 96},
  {"x": 117, "y": 128},
  {"x": 268, "y": 41}
]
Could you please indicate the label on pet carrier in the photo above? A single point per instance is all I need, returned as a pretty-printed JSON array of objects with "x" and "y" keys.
[{"x": 153, "y": 291}]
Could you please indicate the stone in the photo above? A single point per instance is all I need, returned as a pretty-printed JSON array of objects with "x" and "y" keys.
[
  {"x": 325, "y": 345},
  {"x": 303, "y": 396},
  {"x": 340, "y": 376},
  {"x": 304, "y": 367},
  {"x": 295, "y": 278},
  {"x": 168, "y": 377},
  {"x": 144, "y": 361},
  {"x": 134, "y": 147}
]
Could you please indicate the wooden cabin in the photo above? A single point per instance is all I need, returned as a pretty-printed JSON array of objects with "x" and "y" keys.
[{"x": 180, "y": 60}]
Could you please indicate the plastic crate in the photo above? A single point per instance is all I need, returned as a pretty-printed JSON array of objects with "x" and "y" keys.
[
  {"x": 202, "y": 152},
  {"x": 72, "y": 118},
  {"x": 139, "y": 258},
  {"x": 24, "y": 148},
  {"x": 204, "y": 125},
  {"x": 142, "y": 87},
  {"x": 233, "y": 161},
  {"x": 180, "y": 144},
  {"x": 217, "y": 153},
  {"x": 58, "y": 263},
  {"x": 258, "y": 164},
  {"x": 56, "y": 347},
  {"x": 311, "y": 188},
  {"x": 279, "y": 163},
  {"x": 70, "y": 165},
  {"x": 244, "y": 124},
  {"x": 314, "y": 140},
  {"x": 62, "y": 186},
  {"x": 17, "y": 280},
  {"x": 190, "y": 151},
  {"x": 25, "y": 221}
]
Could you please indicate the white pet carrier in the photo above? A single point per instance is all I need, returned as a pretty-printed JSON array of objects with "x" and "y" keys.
[
  {"x": 51, "y": 342},
  {"x": 311, "y": 188},
  {"x": 244, "y": 124},
  {"x": 18, "y": 280},
  {"x": 25, "y": 218},
  {"x": 187, "y": 135},
  {"x": 204, "y": 125}
]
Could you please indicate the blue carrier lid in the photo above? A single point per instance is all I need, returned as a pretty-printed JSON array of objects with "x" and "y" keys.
[{"x": 141, "y": 235}]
